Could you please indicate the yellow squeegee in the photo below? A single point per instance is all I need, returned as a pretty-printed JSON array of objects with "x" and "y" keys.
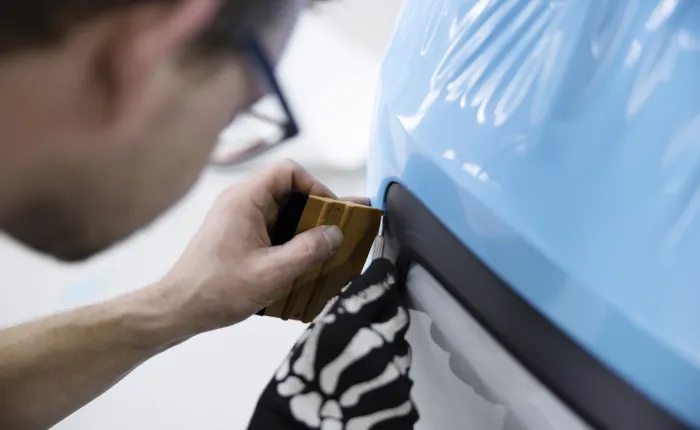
[{"x": 311, "y": 291}]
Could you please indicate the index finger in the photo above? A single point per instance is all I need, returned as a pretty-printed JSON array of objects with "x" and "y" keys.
[{"x": 290, "y": 176}]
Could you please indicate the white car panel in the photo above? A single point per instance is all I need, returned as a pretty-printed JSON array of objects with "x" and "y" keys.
[{"x": 464, "y": 379}]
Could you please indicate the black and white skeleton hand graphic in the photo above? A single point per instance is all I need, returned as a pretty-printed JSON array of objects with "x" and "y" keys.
[{"x": 349, "y": 370}]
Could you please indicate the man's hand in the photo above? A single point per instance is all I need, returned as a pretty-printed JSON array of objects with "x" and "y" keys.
[
  {"x": 230, "y": 271},
  {"x": 51, "y": 367}
]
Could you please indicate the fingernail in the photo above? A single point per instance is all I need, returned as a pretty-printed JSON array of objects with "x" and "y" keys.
[{"x": 334, "y": 238}]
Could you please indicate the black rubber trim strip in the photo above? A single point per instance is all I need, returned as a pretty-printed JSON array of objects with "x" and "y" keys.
[
  {"x": 287, "y": 222},
  {"x": 591, "y": 389}
]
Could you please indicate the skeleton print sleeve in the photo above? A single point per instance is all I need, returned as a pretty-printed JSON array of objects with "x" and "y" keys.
[{"x": 349, "y": 370}]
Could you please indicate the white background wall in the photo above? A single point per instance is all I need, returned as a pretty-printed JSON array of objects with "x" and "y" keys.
[{"x": 213, "y": 381}]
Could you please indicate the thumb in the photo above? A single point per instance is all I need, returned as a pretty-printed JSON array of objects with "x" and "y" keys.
[{"x": 305, "y": 252}]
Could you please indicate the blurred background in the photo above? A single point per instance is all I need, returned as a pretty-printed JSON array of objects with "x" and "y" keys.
[{"x": 329, "y": 73}]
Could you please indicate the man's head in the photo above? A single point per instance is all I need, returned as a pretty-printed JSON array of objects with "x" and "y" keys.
[{"x": 109, "y": 109}]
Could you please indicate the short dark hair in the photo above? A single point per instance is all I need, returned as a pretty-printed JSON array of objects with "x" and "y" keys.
[{"x": 27, "y": 24}]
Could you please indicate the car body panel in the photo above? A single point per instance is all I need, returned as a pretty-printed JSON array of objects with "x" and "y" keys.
[
  {"x": 560, "y": 140},
  {"x": 479, "y": 384}
]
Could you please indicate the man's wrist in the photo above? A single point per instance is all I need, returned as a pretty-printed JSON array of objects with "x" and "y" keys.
[{"x": 151, "y": 316}]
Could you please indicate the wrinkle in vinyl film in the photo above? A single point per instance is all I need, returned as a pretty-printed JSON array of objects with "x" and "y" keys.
[
  {"x": 495, "y": 60},
  {"x": 500, "y": 54},
  {"x": 663, "y": 52}
]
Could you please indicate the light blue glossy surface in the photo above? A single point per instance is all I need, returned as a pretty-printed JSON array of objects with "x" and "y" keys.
[{"x": 560, "y": 140}]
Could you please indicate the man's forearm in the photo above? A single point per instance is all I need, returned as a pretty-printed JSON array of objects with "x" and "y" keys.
[{"x": 52, "y": 367}]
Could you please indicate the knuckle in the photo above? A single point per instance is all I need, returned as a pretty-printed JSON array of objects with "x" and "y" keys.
[
  {"x": 291, "y": 163},
  {"x": 287, "y": 166}
]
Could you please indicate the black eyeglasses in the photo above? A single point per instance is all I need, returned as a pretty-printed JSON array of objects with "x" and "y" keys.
[{"x": 234, "y": 150}]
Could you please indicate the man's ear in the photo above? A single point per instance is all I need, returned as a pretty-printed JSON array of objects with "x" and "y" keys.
[{"x": 145, "y": 37}]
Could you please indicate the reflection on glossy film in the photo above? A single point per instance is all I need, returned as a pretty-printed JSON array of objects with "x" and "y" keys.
[
  {"x": 499, "y": 53},
  {"x": 661, "y": 53},
  {"x": 438, "y": 12},
  {"x": 661, "y": 14}
]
